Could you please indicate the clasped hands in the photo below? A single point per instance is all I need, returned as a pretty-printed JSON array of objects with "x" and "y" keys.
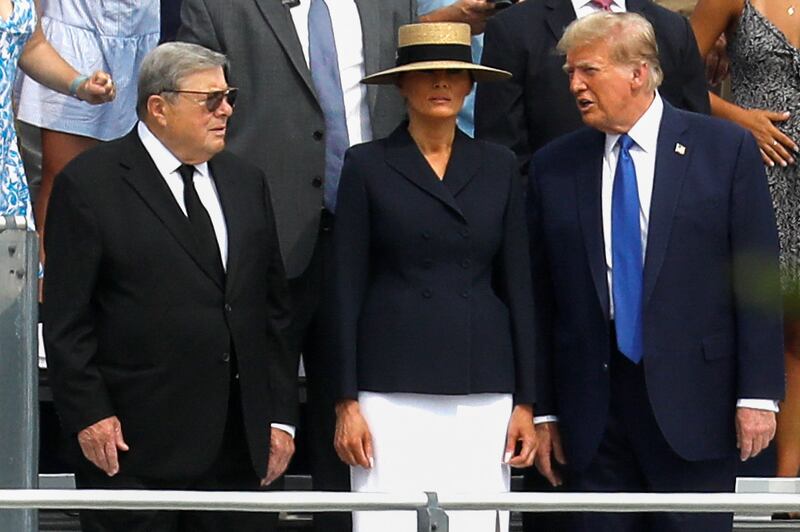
[
  {"x": 102, "y": 441},
  {"x": 353, "y": 440}
]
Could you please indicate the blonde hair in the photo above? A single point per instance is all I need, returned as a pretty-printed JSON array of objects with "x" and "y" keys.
[{"x": 630, "y": 37}]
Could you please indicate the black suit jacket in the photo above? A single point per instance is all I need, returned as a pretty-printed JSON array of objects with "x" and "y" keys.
[
  {"x": 431, "y": 279},
  {"x": 712, "y": 311},
  {"x": 536, "y": 106},
  {"x": 135, "y": 327}
]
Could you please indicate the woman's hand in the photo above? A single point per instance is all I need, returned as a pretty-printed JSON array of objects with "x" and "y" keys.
[
  {"x": 520, "y": 429},
  {"x": 353, "y": 441},
  {"x": 99, "y": 88},
  {"x": 775, "y": 146}
]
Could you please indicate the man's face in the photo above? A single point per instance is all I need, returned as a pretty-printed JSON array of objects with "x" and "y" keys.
[
  {"x": 191, "y": 131},
  {"x": 603, "y": 90}
]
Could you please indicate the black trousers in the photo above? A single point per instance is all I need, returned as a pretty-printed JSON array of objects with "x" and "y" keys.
[
  {"x": 309, "y": 334},
  {"x": 232, "y": 471},
  {"x": 634, "y": 457}
]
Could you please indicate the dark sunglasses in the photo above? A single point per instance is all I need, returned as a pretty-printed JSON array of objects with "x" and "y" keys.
[{"x": 213, "y": 98}]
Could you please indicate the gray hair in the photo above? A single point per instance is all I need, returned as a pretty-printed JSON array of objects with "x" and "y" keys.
[
  {"x": 630, "y": 37},
  {"x": 168, "y": 64}
]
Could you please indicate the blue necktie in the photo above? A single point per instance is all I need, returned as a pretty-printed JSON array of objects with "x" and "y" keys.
[
  {"x": 324, "y": 63},
  {"x": 626, "y": 247}
]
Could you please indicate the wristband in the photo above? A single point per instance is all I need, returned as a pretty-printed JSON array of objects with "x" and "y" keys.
[{"x": 77, "y": 82}]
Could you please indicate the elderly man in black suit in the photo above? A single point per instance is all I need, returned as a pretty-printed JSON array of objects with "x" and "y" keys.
[
  {"x": 536, "y": 106},
  {"x": 165, "y": 303}
]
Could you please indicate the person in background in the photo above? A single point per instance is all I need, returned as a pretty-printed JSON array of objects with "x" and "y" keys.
[
  {"x": 24, "y": 45},
  {"x": 111, "y": 36},
  {"x": 638, "y": 288},
  {"x": 433, "y": 340},
  {"x": 165, "y": 306},
  {"x": 763, "y": 49}
]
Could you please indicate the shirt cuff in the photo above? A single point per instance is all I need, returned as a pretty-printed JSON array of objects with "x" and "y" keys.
[
  {"x": 289, "y": 429},
  {"x": 537, "y": 420},
  {"x": 758, "y": 404}
]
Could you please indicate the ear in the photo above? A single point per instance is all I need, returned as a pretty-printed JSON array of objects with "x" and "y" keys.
[
  {"x": 640, "y": 75},
  {"x": 158, "y": 108}
]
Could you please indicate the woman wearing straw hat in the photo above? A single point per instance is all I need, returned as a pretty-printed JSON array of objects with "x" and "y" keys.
[{"x": 433, "y": 306}]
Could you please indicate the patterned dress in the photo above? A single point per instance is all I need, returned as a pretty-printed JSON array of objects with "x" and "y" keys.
[
  {"x": 765, "y": 74},
  {"x": 14, "y": 33}
]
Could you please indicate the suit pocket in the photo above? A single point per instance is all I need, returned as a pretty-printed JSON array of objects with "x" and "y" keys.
[{"x": 717, "y": 346}]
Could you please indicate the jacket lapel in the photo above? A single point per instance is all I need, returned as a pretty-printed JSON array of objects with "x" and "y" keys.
[
  {"x": 589, "y": 178},
  {"x": 465, "y": 161},
  {"x": 403, "y": 155},
  {"x": 280, "y": 20},
  {"x": 558, "y": 16},
  {"x": 146, "y": 180},
  {"x": 228, "y": 198},
  {"x": 667, "y": 182},
  {"x": 371, "y": 39}
]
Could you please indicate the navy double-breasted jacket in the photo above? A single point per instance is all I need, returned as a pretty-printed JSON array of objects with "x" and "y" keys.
[{"x": 432, "y": 290}]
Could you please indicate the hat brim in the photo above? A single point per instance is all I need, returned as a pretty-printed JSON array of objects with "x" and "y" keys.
[{"x": 479, "y": 72}]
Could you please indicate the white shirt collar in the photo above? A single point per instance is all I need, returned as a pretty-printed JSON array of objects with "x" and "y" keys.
[
  {"x": 645, "y": 131},
  {"x": 164, "y": 159},
  {"x": 578, "y": 5}
]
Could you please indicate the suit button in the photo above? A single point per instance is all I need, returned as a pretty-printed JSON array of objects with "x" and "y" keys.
[
  {"x": 605, "y": 366},
  {"x": 466, "y": 263},
  {"x": 464, "y": 232},
  {"x": 427, "y": 294},
  {"x": 316, "y": 182},
  {"x": 226, "y": 357},
  {"x": 465, "y": 294},
  {"x": 427, "y": 263},
  {"x": 426, "y": 235},
  {"x": 317, "y": 135},
  {"x": 228, "y": 308}
]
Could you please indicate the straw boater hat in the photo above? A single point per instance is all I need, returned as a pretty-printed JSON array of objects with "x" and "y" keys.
[{"x": 435, "y": 46}]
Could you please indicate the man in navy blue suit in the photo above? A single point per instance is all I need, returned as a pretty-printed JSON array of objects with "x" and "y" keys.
[{"x": 655, "y": 255}]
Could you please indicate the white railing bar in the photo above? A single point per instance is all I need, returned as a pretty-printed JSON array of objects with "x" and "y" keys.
[{"x": 309, "y": 501}]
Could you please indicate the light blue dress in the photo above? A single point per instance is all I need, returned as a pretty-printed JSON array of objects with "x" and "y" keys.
[
  {"x": 14, "y": 33},
  {"x": 109, "y": 35},
  {"x": 466, "y": 118}
]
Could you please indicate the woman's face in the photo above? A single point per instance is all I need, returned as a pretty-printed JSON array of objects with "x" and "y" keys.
[{"x": 435, "y": 93}]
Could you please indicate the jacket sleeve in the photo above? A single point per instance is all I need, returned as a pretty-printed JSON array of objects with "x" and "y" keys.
[
  {"x": 197, "y": 25},
  {"x": 351, "y": 251},
  {"x": 517, "y": 291},
  {"x": 542, "y": 293},
  {"x": 695, "y": 84},
  {"x": 74, "y": 253},
  {"x": 758, "y": 303},
  {"x": 283, "y": 360},
  {"x": 500, "y": 107}
]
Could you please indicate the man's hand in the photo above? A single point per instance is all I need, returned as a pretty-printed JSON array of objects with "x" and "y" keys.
[
  {"x": 100, "y": 443},
  {"x": 520, "y": 429},
  {"x": 549, "y": 447},
  {"x": 353, "y": 441},
  {"x": 754, "y": 430},
  {"x": 281, "y": 449},
  {"x": 472, "y": 12}
]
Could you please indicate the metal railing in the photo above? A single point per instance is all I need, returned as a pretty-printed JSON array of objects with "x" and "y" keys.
[
  {"x": 431, "y": 508},
  {"x": 19, "y": 431}
]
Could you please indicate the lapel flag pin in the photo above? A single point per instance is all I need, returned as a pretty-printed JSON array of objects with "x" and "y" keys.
[{"x": 680, "y": 149}]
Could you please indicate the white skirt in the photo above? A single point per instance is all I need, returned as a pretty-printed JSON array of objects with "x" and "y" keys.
[{"x": 442, "y": 443}]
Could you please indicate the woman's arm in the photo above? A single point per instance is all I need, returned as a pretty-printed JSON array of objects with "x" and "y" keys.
[
  {"x": 42, "y": 62},
  {"x": 709, "y": 20}
]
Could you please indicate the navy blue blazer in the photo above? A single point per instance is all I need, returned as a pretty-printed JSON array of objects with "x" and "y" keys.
[
  {"x": 712, "y": 311},
  {"x": 432, "y": 287}
]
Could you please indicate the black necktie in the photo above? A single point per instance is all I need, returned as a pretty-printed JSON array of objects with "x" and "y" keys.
[{"x": 201, "y": 225}]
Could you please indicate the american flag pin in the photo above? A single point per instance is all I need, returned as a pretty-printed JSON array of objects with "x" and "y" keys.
[{"x": 680, "y": 149}]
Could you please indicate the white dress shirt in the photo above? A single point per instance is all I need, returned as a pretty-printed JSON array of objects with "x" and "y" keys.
[
  {"x": 346, "y": 24},
  {"x": 167, "y": 165},
  {"x": 586, "y": 7},
  {"x": 644, "y": 134}
]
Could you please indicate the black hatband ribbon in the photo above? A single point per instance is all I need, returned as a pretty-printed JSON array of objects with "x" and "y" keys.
[{"x": 418, "y": 53}]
